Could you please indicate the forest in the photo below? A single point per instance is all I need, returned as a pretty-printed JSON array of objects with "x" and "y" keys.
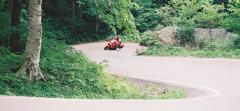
[{"x": 35, "y": 37}]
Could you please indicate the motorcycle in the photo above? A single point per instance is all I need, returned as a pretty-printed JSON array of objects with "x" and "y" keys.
[{"x": 113, "y": 45}]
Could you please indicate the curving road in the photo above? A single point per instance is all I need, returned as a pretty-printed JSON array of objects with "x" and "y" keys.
[{"x": 219, "y": 78}]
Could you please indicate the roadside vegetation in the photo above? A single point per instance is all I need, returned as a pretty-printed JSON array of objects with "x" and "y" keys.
[
  {"x": 211, "y": 48},
  {"x": 188, "y": 15}
]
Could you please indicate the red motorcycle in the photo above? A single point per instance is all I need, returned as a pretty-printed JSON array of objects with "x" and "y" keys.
[{"x": 114, "y": 44}]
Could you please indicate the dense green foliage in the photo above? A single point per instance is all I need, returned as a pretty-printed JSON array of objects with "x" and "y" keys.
[
  {"x": 82, "y": 20},
  {"x": 147, "y": 14},
  {"x": 90, "y": 20},
  {"x": 190, "y": 14}
]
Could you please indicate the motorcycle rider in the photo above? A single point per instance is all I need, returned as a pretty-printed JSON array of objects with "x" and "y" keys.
[
  {"x": 114, "y": 43},
  {"x": 118, "y": 40}
]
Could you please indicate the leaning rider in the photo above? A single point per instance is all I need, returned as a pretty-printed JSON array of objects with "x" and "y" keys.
[{"x": 118, "y": 40}]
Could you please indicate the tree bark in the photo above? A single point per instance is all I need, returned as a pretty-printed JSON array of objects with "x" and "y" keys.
[
  {"x": 97, "y": 19},
  {"x": 73, "y": 19},
  {"x": 15, "y": 22},
  {"x": 33, "y": 47},
  {"x": 97, "y": 25}
]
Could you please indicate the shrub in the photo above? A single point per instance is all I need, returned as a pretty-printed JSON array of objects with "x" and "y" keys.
[
  {"x": 169, "y": 50},
  {"x": 52, "y": 31},
  {"x": 10, "y": 62},
  {"x": 210, "y": 16},
  {"x": 132, "y": 37},
  {"x": 236, "y": 42},
  {"x": 185, "y": 35},
  {"x": 202, "y": 13},
  {"x": 4, "y": 51},
  {"x": 216, "y": 43},
  {"x": 231, "y": 22},
  {"x": 149, "y": 38},
  {"x": 146, "y": 16}
]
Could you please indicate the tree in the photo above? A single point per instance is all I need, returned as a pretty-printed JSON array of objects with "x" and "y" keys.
[
  {"x": 15, "y": 22},
  {"x": 33, "y": 47},
  {"x": 115, "y": 13}
]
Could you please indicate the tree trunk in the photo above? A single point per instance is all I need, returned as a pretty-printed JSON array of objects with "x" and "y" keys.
[
  {"x": 73, "y": 19},
  {"x": 73, "y": 10},
  {"x": 33, "y": 46},
  {"x": 15, "y": 22},
  {"x": 97, "y": 19},
  {"x": 97, "y": 25}
]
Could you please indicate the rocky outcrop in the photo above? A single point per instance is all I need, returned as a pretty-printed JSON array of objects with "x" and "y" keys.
[
  {"x": 167, "y": 35},
  {"x": 200, "y": 33}
]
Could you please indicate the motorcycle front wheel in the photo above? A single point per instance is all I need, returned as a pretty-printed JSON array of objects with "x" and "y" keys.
[{"x": 106, "y": 48}]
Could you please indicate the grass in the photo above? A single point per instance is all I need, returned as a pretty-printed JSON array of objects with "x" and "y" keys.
[
  {"x": 166, "y": 93},
  {"x": 184, "y": 52},
  {"x": 69, "y": 74}
]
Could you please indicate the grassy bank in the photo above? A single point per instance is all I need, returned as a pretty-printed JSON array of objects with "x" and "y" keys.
[
  {"x": 184, "y": 52},
  {"x": 69, "y": 74},
  {"x": 208, "y": 48}
]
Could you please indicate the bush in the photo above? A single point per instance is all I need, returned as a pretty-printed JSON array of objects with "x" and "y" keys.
[
  {"x": 149, "y": 38},
  {"x": 4, "y": 51},
  {"x": 216, "y": 43},
  {"x": 236, "y": 42},
  {"x": 10, "y": 62},
  {"x": 169, "y": 50},
  {"x": 203, "y": 14},
  {"x": 185, "y": 35},
  {"x": 231, "y": 22},
  {"x": 146, "y": 16},
  {"x": 131, "y": 37},
  {"x": 211, "y": 16},
  {"x": 52, "y": 31}
]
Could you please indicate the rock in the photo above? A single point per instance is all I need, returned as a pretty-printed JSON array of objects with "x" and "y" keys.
[
  {"x": 200, "y": 33},
  {"x": 141, "y": 50},
  {"x": 219, "y": 33},
  {"x": 167, "y": 35}
]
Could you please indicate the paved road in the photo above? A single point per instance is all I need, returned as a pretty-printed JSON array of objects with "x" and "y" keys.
[{"x": 218, "y": 77}]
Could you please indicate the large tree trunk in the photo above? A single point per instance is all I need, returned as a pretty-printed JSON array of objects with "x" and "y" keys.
[
  {"x": 33, "y": 46},
  {"x": 15, "y": 22}
]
